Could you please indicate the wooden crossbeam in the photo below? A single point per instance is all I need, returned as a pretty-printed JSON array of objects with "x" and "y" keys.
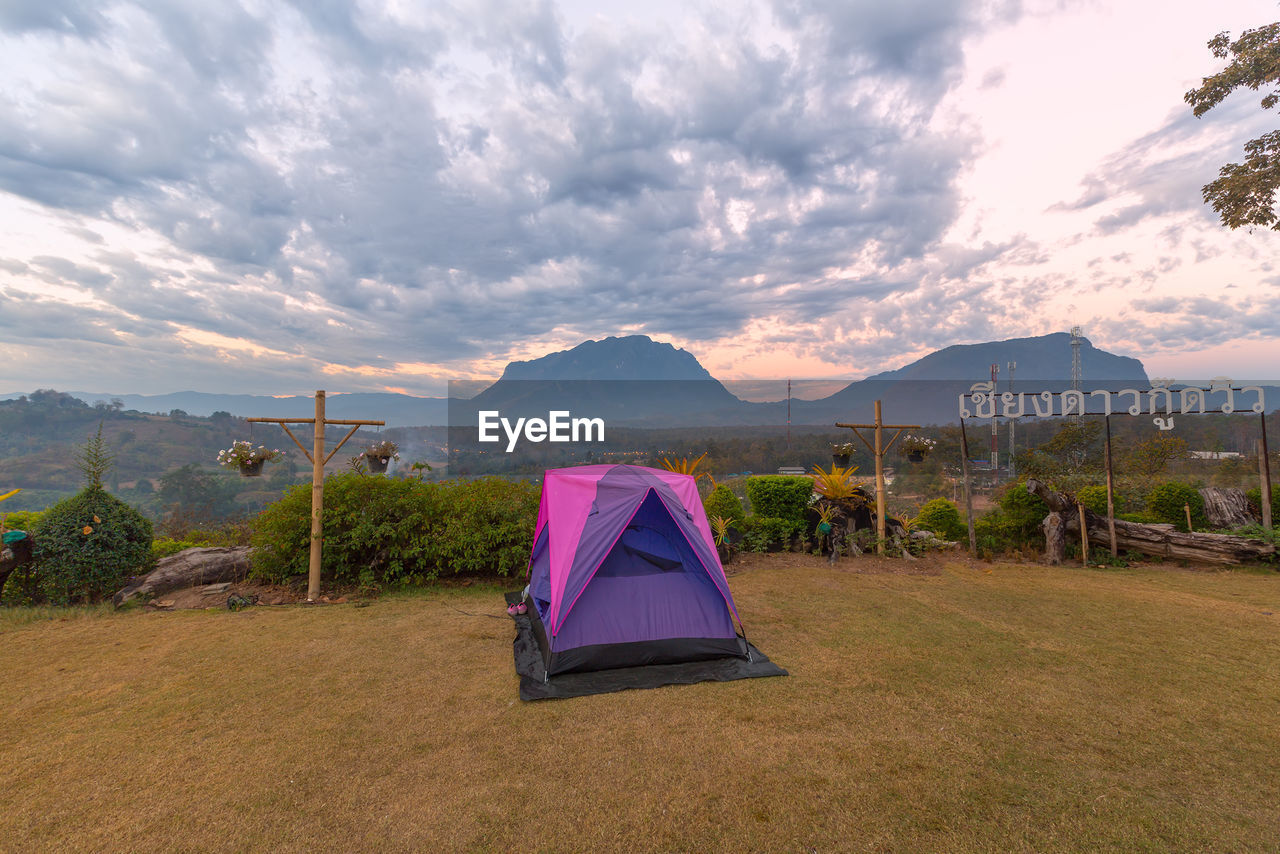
[
  {"x": 318, "y": 459},
  {"x": 878, "y": 451}
]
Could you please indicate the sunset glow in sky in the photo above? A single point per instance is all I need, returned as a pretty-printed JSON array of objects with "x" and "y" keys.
[{"x": 271, "y": 198}]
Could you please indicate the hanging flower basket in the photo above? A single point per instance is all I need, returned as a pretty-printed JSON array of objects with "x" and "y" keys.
[
  {"x": 248, "y": 459},
  {"x": 378, "y": 455},
  {"x": 916, "y": 448},
  {"x": 841, "y": 460},
  {"x": 841, "y": 453}
]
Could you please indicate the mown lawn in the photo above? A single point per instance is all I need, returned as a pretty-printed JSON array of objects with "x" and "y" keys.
[{"x": 977, "y": 708}]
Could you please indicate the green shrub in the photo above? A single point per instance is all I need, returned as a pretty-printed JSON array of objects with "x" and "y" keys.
[
  {"x": 1022, "y": 513},
  {"x": 722, "y": 502},
  {"x": 943, "y": 518},
  {"x": 486, "y": 526},
  {"x": 779, "y": 496},
  {"x": 764, "y": 532},
  {"x": 165, "y": 547},
  {"x": 997, "y": 532},
  {"x": 1095, "y": 499},
  {"x": 87, "y": 546},
  {"x": 1140, "y": 518},
  {"x": 1166, "y": 503},
  {"x": 369, "y": 522},
  {"x": 1255, "y": 496},
  {"x": 26, "y": 520},
  {"x": 386, "y": 531}
]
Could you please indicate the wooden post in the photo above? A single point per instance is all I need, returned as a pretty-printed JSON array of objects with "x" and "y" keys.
[
  {"x": 318, "y": 459},
  {"x": 1264, "y": 460},
  {"x": 1186, "y": 508},
  {"x": 317, "y": 501},
  {"x": 1084, "y": 537},
  {"x": 878, "y": 450},
  {"x": 1111, "y": 499},
  {"x": 968, "y": 497},
  {"x": 1264, "y": 489},
  {"x": 880, "y": 498}
]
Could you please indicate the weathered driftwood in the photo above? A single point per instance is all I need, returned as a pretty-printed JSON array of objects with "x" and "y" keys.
[
  {"x": 190, "y": 568},
  {"x": 1158, "y": 540},
  {"x": 1055, "y": 538},
  {"x": 1227, "y": 508}
]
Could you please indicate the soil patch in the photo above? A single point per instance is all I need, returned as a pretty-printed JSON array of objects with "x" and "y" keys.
[{"x": 218, "y": 595}]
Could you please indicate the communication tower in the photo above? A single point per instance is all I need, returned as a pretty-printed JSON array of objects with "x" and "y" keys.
[
  {"x": 1075, "y": 357},
  {"x": 995, "y": 454},
  {"x": 1012, "y": 421},
  {"x": 1075, "y": 362}
]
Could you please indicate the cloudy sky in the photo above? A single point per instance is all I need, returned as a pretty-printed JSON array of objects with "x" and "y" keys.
[{"x": 274, "y": 197}]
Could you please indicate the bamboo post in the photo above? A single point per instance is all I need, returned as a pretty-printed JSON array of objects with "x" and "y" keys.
[
  {"x": 968, "y": 497},
  {"x": 1084, "y": 538},
  {"x": 1186, "y": 508},
  {"x": 318, "y": 460},
  {"x": 880, "y": 498},
  {"x": 878, "y": 450},
  {"x": 1111, "y": 499},
  {"x": 317, "y": 501}
]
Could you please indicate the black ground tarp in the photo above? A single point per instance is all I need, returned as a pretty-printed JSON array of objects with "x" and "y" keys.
[{"x": 529, "y": 666}]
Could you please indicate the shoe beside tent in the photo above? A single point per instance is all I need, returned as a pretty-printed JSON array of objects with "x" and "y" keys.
[{"x": 624, "y": 574}]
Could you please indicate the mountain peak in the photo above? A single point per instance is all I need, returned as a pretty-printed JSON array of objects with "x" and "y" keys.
[
  {"x": 632, "y": 357},
  {"x": 1044, "y": 357}
]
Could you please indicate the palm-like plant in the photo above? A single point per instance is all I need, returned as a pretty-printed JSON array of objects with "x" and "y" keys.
[
  {"x": 686, "y": 466},
  {"x": 835, "y": 482},
  {"x": 719, "y": 528}
]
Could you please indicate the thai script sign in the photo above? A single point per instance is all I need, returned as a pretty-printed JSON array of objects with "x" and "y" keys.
[{"x": 1161, "y": 401}]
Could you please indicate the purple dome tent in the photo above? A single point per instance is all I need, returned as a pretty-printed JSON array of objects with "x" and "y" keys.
[{"x": 624, "y": 574}]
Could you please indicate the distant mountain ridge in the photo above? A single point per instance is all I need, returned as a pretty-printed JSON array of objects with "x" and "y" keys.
[
  {"x": 636, "y": 381},
  {"x": 1046, "y": 358},
  {"x": 634, "y": 357}
]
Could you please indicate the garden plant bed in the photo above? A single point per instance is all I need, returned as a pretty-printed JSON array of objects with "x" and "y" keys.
[{"x": 950, "y": 705}]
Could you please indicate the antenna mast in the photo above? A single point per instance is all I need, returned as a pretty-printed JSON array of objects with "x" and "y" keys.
[
  {"x": 1075, "y": 361},
  {"x": 995, "y": 454},
  {"x": 1013, "y": 474}
]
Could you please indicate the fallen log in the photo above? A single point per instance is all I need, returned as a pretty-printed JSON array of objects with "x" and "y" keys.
[
  {"x": 1155, "y": 540},
  {"x": 190, "y": 568}
]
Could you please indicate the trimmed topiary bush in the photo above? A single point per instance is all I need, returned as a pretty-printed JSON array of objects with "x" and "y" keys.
[
  {"x": 722, "y": 502},
  {"x": 1166, "y": 503},
  {"x": 943, "y": 518},
  {"x": 484, "y": 526},
  {"x": 779, "y": 496},
  {"x": 381, "y": 530},
  {"x": 87, "y": 546}
]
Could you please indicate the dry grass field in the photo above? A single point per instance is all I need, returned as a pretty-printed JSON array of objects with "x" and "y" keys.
[{"x": 942, "y": 706}]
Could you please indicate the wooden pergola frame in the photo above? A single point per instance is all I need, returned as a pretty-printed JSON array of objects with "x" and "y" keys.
[
  {"x": 318, "y": 459},
  {"x": 878, "y": 450}
]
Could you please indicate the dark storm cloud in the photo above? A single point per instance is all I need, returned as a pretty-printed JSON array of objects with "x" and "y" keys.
[{"x": 442, "y": 187}]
